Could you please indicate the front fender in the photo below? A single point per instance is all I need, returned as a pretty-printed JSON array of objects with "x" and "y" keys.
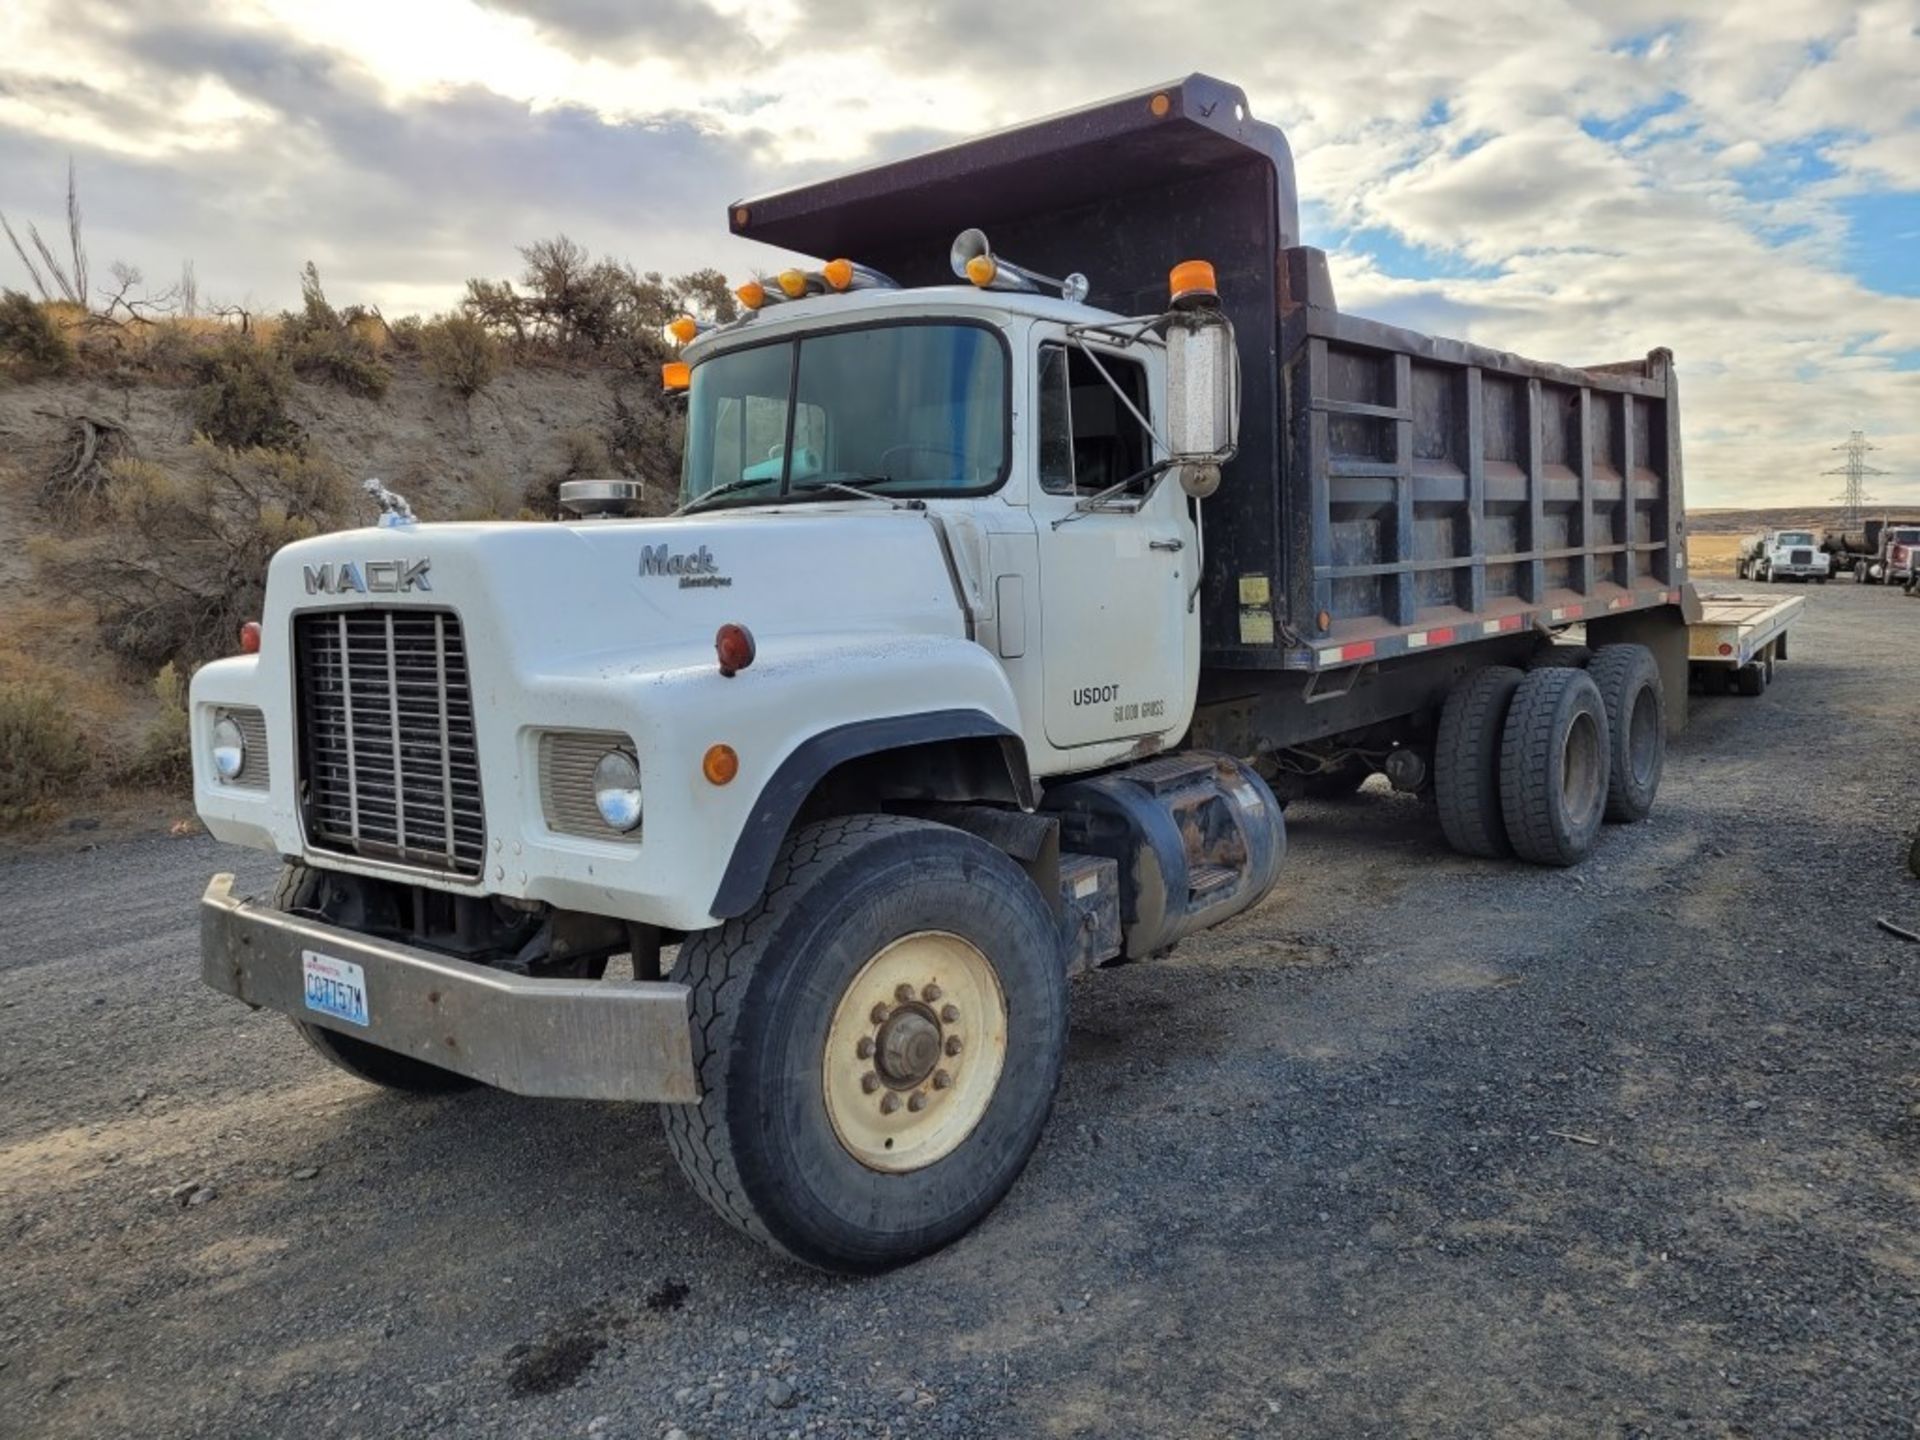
[{"x": 834, "y": 701}]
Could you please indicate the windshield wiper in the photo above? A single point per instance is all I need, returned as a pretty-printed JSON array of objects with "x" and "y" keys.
[
  {"x": 846, "y": 489},
  {"x": 701, "y": 500}
]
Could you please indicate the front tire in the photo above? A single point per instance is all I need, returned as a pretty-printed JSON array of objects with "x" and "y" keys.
[{"x": 878, "y": 1043}]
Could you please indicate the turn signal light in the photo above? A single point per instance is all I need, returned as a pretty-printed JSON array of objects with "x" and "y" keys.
[
  {"x": 838, "y": 274},
  {"x": 250, "y": 638},
  {"x": 752, "y": 294},
  {"x": 683, "y": 328},
  {"x": 734, "y": 645},
  {"x": 720, "y": 764},
  {"x": 676, "y": 375},
  {"x": 1192, "y": 280},
  {"x": 1725, "y": 648}
]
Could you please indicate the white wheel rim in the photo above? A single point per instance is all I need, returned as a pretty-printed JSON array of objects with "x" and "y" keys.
[{"x": 914, "y": 1052}]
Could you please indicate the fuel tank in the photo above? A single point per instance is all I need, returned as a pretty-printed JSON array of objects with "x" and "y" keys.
[{"x": 1198, "y": 837}]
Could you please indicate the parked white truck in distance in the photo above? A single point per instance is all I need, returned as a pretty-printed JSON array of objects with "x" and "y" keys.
[{"x": 1785, "y": 555}]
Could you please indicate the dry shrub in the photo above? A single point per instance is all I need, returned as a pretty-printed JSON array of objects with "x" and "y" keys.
[
  {"x": 43, "y": 754},
  {"x": 32, "y": 342},
  {"x": 460, "y": 354},
  {"x": 166, "y": 750},
  {"x": 77, "y": 484},
  {"x": 183, "y": 559},
  {"x": 241, "y": 400},
  {"x": 334, "y": 347},
  {"x": 491, "y": 495}
]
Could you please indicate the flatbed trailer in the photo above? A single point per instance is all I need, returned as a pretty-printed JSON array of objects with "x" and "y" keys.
[{"x": 1736, "y": 640}]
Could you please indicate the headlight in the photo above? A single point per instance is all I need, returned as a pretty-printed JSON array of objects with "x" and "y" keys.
[
  {"x": 616, "y": 790},
  {"x": 229, "y": 749}
]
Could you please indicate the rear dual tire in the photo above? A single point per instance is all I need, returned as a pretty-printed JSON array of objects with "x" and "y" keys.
[{"x": 1529, "y": 763}]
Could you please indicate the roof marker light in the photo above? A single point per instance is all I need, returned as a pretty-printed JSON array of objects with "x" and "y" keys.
[
  {"x": 838, "y": 274},
  {"x": 752, "y": 294},
  {"x": 793, "y": 283},
  {"x": 676, "y": 375},
  {"x": 683, "y": 328}
]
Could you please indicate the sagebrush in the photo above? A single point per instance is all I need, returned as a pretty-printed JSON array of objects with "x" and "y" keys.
[
  {"x": 32, "y": 344},
  {"x": 241, "y": 399},
  {"x": 43, "y": 755},
  {"x": 185, "y": 562},
  {"x": 460, "y": 354}
]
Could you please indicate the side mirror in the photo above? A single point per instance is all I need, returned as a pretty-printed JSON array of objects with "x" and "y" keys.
[{"x": 1203, "y": 397}]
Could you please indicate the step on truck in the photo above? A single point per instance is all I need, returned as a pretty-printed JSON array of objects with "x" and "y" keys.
[{"x": 1017, "y": 585}]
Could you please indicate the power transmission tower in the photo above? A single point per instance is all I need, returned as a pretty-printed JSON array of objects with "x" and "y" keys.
[{"x": 1855, "y": 498}]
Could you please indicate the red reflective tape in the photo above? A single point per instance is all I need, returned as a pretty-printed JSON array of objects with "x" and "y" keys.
[
  {"x": 1439, "y": 637},
  {"x": 1361, "y": 651},
  {"x": 1511, "y": 622}
]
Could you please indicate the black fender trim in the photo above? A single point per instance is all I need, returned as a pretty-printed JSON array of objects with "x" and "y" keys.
[{"x": 780, "y": 801}]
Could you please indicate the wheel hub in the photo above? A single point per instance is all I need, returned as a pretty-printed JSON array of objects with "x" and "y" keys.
[
  {"x": 914, "y": 1051},
  {"x": 908, "y": 1047}
]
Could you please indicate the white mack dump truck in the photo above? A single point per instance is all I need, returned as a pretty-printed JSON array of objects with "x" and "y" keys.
[{"x": 998, "y": 622}]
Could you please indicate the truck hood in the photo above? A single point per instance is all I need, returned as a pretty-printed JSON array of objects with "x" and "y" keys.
[{"x": 620, "y": 586}]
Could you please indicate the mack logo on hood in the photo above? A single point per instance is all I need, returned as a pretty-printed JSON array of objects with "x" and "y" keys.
[
  {"x": 693, "y": 568},
  {"x": 376, "y": 577}
]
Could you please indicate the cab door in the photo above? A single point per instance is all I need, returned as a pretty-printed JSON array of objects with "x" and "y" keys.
[{"x": 1120, "y": 641}]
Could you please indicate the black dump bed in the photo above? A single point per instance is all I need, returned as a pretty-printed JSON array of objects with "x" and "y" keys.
[{"x": 1390, "y": 487}]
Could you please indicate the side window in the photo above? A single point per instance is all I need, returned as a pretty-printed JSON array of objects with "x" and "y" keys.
[{"x": 1089, "y": 440}]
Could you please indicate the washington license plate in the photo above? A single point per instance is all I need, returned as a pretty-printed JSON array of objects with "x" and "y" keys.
[{"x": 335, "y": 987}]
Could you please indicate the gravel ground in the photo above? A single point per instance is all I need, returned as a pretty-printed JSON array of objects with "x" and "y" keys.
[{"x": 1423, "y": 1146}]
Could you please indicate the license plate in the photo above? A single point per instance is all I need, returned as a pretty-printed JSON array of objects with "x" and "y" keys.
[{"x": 335, "y": 987}]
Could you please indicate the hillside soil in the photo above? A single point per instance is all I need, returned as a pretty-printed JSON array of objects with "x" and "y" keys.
[{"x": 1422, "y": 1146}]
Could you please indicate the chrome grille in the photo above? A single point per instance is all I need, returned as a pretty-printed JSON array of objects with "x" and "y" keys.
[
  {"x": 1800, "y": 557},
  {"x": 391, "y": 769}
]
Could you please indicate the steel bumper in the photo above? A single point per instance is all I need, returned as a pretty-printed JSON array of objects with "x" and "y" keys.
[{"x": 582, "y": 1039}]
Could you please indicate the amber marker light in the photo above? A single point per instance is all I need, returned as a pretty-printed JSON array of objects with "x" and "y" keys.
[
  {"x": 793, "y": 283},
  {"x": 838, "y": 274},
  {"x": 250, "y": 638},
  {"x": 720, "y": 764},
  {"x": 683, "y": 328},
  {"x": 752, "y": 294},
  {"x": 676, "y": 375},
  {"x": 1159, "y": 105},
  {"x": 981, "y": 270},
  {"x": 1192, "y": 280},
  {"x": 735, "y": 648}
]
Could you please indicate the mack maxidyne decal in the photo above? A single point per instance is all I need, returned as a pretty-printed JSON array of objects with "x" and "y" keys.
[
  {"x": 375, "y": 577},
  {"x": 696, "y": 569}
]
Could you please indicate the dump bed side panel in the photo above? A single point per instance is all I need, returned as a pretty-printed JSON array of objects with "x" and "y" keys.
[{"x": 1433, "y": 487}]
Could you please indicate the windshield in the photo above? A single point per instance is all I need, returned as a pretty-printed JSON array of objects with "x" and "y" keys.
[
  {"x": 1794, "y": 537},
  {"x": 911, "y": 409},
  {"x": 1905, "y": 537}
]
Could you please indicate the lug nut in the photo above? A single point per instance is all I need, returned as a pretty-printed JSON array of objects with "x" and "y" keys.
[
  {"x": 889, "y": 1103},
  {"x": 918, "y": 1102},
  {"x": 879, "y": 1014},
  {"x": 953, "y": 1045},
  {"x": 869, "y": 1082},
  {"x": 950, "y": 1013},
  {"x": 903, "y": 992},
  {"x": 941, "y": 1080},
  {"x": 930, "y": 993},
  {"x": 865, "y": 1048}
]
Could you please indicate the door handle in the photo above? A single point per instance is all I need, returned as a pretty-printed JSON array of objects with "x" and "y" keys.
[{"x": 1168, "y": 545}]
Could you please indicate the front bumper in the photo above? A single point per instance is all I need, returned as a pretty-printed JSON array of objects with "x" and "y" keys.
[{"x": 579, "y": 1039}]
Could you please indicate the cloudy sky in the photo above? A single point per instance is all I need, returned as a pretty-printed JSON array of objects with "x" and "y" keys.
[{"x": 1739, "y": 182}]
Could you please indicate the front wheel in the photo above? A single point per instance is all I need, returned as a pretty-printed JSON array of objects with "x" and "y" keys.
[{"x": 878, "y": 1043}]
